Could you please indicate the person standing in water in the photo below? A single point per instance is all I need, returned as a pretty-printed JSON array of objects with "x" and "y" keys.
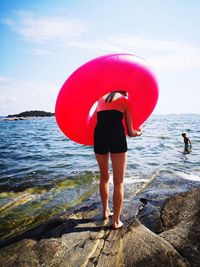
[
  {"x": 187, "y": 143},
  {"x": 110, "y": 140}
]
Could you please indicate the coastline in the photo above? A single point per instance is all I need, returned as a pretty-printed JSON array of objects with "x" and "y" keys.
[
  {"x": 165, "y": 232},
  {"x": 28, "y": 115}
]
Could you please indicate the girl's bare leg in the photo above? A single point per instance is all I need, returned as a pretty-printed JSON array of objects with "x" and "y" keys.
[
  {"x": 103, "y": 162},
  {"x": 119, "y": 168}
]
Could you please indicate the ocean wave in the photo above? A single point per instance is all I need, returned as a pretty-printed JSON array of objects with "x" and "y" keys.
[{"x": 189, "y": 176}]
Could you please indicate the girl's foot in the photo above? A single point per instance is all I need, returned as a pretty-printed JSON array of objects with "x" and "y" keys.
[
  {"x": 118, "y": 225},
  {"x": 107, "y": 214}
]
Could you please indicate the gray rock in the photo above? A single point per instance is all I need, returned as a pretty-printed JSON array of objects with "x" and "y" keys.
[
  {"x": 81, "y": 238},
  {"x": 181, "y": 224}
]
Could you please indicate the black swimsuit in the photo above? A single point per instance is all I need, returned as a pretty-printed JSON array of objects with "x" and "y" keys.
[{"x": 109, "y": 135}]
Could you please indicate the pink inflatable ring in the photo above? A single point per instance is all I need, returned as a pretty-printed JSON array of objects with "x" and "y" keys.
[{"x": 96, "y": 78}]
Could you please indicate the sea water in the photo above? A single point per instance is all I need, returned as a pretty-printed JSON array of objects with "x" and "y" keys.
[{"x": 42, "y": 172}]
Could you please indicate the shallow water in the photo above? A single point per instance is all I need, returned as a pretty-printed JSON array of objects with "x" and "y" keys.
[{"x": 42, "y": 172}]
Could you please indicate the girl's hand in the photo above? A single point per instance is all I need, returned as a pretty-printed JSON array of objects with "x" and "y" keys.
[{"x": 138, "y": 132}]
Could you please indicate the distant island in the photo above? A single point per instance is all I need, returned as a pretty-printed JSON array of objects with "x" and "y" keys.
[{"x": 32, "y": 113}]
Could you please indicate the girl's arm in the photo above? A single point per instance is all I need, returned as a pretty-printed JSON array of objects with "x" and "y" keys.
[{"x": 129, "y": 125}]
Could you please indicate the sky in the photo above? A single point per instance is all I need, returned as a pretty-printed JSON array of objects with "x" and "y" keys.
[{"x": 43, "y": 42}]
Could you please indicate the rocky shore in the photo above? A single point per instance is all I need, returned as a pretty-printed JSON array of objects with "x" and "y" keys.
[{"x": 159, "y": 230}]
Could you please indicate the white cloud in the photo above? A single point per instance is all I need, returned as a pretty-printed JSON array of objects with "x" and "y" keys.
[
  {"x": 40, "y": 52},
  {"x": 4, "y": 79},
  {"x": 17, "y": 96},
  {"x": 39, "y": 28},
  {"x": 163, "y": 55}
]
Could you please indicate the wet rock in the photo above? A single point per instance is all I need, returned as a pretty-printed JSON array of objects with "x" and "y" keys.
[{"x": 149, "y": 215}]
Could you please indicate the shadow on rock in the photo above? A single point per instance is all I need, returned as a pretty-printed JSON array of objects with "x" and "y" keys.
[{"x": 58, "y": 226}]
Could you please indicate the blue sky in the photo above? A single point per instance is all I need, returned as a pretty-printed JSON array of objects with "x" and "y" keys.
[{"x": 43, "y": 42}]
